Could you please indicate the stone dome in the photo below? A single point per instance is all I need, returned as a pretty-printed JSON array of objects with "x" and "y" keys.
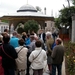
[{"x": 27, "y": 7}]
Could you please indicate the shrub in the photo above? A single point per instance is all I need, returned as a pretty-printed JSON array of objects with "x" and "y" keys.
[{"x": 70, "y": 58}]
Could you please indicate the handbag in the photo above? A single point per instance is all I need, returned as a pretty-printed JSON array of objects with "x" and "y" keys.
[
  {"x": 20, "y": 50},
  {"x": 36, "y": 56}
]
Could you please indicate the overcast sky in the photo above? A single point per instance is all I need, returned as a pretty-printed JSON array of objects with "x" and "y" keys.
[{"x": 52, "y": 6}]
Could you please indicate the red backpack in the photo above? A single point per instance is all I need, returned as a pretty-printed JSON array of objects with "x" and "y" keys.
[{"x": 1, "y": 68}]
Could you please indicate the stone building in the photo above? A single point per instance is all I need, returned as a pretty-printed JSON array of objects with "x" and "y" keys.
[
  {"x": 3, "y": 26},
  {"x": 28, "y": 12}
]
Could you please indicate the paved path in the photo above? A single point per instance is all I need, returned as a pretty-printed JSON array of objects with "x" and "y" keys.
[
  {"x": 63, "y": 68},
  {"x": 46, "y": 72}
]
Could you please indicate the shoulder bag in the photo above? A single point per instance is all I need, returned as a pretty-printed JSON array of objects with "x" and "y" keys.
[
  {"x": 38, "y": 54},
  {"x": 20, "y": 50},
  {"x": 6, "y": 53}
]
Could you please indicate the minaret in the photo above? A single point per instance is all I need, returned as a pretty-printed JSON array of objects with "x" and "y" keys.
[
  {"x": 45, "y": 10},
  {"x": 56, "y": 15},
  {"x": 51, "y": 12},
  {"x": 27, "y": 1}
]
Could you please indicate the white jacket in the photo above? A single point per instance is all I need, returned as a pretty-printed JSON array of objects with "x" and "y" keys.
[
  {"x": 38, "y": 63},
  {"x": 21, "y": 61}
]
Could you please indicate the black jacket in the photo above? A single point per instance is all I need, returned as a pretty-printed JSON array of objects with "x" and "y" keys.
[
  {"x": 8, "y": 62},
  {"x": 43, "y": 36}
]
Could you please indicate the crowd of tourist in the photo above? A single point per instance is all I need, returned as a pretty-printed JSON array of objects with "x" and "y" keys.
[{"x": 20, "y": 52}]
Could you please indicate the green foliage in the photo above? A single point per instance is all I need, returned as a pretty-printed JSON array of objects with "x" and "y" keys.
[
  {"x": 20, "y": 30},
  {"x": 57, "y": 22},
  {"x": 65, "y": 16},
  {"x": 20, "y": 24},
  {"x": 38, "y": 8},
  {"x": 31, "y": 25},
  {"x": 73, "y": 1},
  {"x": 5, "y": 21},
  {"x": 70, "y": 57}
]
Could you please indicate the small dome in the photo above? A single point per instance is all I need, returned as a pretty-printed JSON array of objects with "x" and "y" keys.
[{"x": 27, "y": 8}]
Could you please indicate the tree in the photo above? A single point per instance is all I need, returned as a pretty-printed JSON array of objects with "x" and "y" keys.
[
  {"x": 73, "y": 1},
  {"x": 57, "y": 22},
  {"x": 38, "y": 8},
  {"x": 31, "y": 25},
  {"x": 65, "y": 19},
  {"x": 20, "y": 30},
  {"x": 65, "y": 15}
]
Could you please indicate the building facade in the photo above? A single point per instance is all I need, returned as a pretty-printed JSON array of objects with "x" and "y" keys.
[
  {"x": 3, "y": 26},
  {"x": 28, "y": 12}
]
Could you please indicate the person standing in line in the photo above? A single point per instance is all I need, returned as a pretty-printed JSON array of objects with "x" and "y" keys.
[
  {"x": 49, "y": 43},
  {"x": 7, "y": 31},
  {"x": 42, "y": 35},
  {"x": 0, "y": 40},
  {"x": 32, "y": 44},
  {"x": 1, "y": 68},
  {"x": 21, "y": 61},
  {"x": 9, "y": 55},
  {"x": 57, "y": 57},
  {"x": 37, "y": 58},
  {"x": 43, "y": 46},
  {"x": 27, "y": 42},
  {"x": 31, "y": 48},
  {"x": 24, "y": 36},
  {"x": 35, "y": 35},
  {"x": 14, "y": 40}
]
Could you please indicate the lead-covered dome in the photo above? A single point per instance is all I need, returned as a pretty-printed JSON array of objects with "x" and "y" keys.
[{"x": 27, "y": 7}]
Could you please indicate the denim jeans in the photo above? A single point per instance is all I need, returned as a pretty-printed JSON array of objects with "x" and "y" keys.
[
  {"x": 9, "y": 72},
  {"x": 59, "y": 68}
]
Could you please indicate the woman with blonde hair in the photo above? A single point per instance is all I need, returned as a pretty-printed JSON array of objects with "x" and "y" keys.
[{"x": 24, "y": 36}]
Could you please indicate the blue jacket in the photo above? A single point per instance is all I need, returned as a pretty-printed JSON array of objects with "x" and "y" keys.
[
  {"x": 53, "y": 45},
  {"x": 14, "y": 41},
  {"x": 27, "y": 41}
]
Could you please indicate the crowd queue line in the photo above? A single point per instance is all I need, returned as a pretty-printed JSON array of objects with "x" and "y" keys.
[{"x": 19, "y": 53}]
